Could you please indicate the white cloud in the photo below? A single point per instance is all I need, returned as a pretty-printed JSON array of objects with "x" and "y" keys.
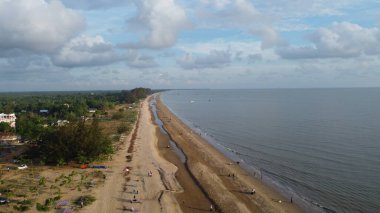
[
  {"x": 229, "y": 12},
  {"x": 86, "y": 51},
  {"x": 240, "y": 14},
  {"x": 94, "y": 4},
  {"x": 309, "y": 8},
  {"x": 39, "y": 26},
  {"x": 252, "y": 58},
  {"x": 237, "y": 48},
  {"x": 162, "y": 20},
  {"x": 137, "y": 60},
  {"x": 30, "y": 67},
  {"x": 294, "y": 15},
  {"x": 342, "y": 40},
  {"x": 215, "y": 59}
]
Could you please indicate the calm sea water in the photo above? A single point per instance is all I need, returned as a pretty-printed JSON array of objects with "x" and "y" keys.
[{"x": 321, "y": 146}]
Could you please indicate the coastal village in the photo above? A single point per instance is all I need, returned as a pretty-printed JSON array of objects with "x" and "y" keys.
[
  {"x": 30, "y": 182},
  {"x": 256, "y": 106},
  {"x": 141, "y": 173},
  {"x": 8, "y": 138}
]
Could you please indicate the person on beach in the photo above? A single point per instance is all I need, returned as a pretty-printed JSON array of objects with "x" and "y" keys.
[
  {"x": 253, "y": 191},
  {"x": 81, "y": 202},
  {"x": 134, "y": 199},
  {"x": 291, "y": 199}
]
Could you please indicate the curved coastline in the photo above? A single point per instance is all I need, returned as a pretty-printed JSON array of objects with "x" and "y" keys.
[
  {"x": 266, "y": 177},
  {"x": 205, "y": 157}
]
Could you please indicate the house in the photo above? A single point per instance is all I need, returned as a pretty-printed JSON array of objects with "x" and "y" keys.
[
  {"x": 44, "y": 111},
  {"x": 9, "y": 139},
  {"x": 62, "y": 122},
  {"x": 8, "y": 118},
  {"x": 92, "y": 110}
]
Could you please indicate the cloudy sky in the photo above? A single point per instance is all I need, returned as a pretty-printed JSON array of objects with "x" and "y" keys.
[{"x": 121, "y": 44}]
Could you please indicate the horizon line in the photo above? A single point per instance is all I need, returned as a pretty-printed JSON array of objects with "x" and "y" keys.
[{"x": 113, "y": 90}]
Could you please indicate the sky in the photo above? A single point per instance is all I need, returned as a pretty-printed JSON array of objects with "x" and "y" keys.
[{"x": 121, "y": 44}]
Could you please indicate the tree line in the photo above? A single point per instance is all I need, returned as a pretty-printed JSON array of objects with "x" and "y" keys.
[{"x": 77, "y": 140}]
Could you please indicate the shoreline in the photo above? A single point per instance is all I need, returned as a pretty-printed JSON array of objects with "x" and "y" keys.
[
  {"x": 193, "y": 198},
  {"x": 226, "y": 183}
]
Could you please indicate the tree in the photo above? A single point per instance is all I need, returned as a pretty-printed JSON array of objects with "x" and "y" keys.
[
  {"x": 5, "y": 127},
  {"x": 77, "y": 141},
  {"x": 30, "y": 126},
  {"x": 140, "y": 92}
]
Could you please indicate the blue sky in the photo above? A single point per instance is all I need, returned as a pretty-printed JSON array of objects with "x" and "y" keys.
[{"x": 122, "y": 44}]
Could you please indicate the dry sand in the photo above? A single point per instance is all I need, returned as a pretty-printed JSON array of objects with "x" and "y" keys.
[
  {"x": 155, "y": 193},
  {"x": 213, "y": 172},
  {"x": 174, "y": 186}
]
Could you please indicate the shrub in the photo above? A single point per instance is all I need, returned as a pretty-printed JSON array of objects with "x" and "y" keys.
[
  {"x": 87, "y": 200},
  {"x": 25, "y": 202},
  {"x": 123, "y": 128},
  {"x": 21, "y": 208},
  {"x": 118, "y": 116},
  {"x": 42, "y": 208},
  {"x": 42, "y": 181},
  {"x": 48, "y": 203}
]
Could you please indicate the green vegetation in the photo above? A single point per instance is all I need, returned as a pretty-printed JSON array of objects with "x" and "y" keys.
[
  {"x": 23, "y": 205},
  {"x": 86, "y": 200},
  {"x": 27, "y": 187},
  {"x": 48, "y": 204},
  {"x": 123, "y": 128},
  {"x": 79, "y": 138},
  {"x": 5, "y": 127},
  {"x": 77, "y": 141}
]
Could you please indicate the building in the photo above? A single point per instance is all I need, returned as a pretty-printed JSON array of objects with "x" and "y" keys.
[
  {"x": 44, "y": 111},
  {"x": 92, "y": 110},
  {"x": 9, "y": 139},
  {"x": 62, "y": 122},
  {"x": 8, "y": 118}
]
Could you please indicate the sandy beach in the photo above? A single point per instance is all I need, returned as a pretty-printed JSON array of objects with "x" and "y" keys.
[
  {"x": 139, "y": 180},
  {"x": 147, "y": 176},
  {"x": 226, "y": 184}
]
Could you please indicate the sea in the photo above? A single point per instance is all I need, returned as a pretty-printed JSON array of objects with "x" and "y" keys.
[{"x": 320, "y": 147}]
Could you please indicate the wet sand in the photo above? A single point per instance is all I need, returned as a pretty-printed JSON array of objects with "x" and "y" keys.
[
  {"x": 192, "y": 198},
  {"x": 223, "y": 182}
]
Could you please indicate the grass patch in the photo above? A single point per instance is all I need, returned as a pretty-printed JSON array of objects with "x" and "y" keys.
[
  {"x": 47, "y": 205},
  {"x": 85, "y": 200}
]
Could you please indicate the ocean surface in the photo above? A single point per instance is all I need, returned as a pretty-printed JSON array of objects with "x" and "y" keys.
[{"x": 319, "y": 146}]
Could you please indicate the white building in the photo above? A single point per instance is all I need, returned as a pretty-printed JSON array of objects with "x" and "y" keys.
[
  {"x": 92, "y": 110},
  {"x": 62, "y": 122},
  {"x": 8, "y": 118},
  {"x": 9, "y": 139}
]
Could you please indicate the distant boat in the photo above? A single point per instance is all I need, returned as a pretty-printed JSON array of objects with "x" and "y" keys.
[{"x": 192, "y": 101}]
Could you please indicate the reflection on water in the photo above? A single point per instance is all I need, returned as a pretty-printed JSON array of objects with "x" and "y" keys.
[{"x": 320, "y": 145}]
